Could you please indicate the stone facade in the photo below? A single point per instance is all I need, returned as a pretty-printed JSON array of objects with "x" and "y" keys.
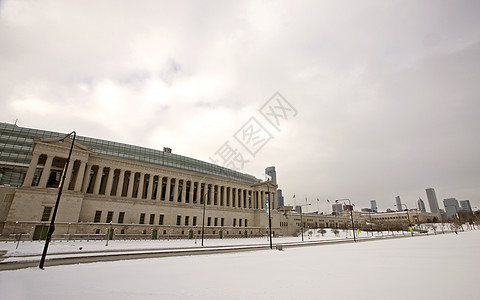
[{"x": 134, "y": 197}]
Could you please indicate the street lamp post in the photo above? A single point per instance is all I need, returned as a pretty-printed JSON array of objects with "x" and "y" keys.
[
  {"x": 301, "y": 217},
  {"x": 203, "y": 215},
  {"x": 51, "y": 228},
  {"x": 351, "y": 216},
  {"x": 267, "y": 203},
  {"x": 408, "y": 217},
  {"x": 109, "y": 233}
]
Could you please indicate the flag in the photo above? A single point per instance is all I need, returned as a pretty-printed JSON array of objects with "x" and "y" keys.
[
  {"x": 328, "y": 201},
  {"x": 336, "y": 201},
  {"x": 293, "y": 196},
  {"x": 318, "y": 200}
]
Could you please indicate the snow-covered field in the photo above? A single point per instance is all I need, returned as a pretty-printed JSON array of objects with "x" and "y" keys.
[
  {"x": 36, "y": 247},
  {"x": 425, "y": 267}
]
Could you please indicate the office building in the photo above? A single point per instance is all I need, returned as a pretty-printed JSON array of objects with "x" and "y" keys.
[
  {"x": 451, "y": 207},
  {"x": 271, "y": 174},
  {"x": 421, "y": 205},
  {"x": 465, "y": 205},
  {"x": 398, "y": 203},
  {"x": 373, "y": 206},
  {"x": 432, "y": 201}
]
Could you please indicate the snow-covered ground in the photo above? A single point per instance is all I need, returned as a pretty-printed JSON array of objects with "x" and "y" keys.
[
  {"x": 425, "y": 267},
  {"x": 31, "y": 248}
]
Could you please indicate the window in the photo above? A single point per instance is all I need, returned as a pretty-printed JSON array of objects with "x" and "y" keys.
[
  {"x": 209, "y": 221},
  {"x": 187, "y": 219},
  {"x": 121, "y": 216},
  {"x": 194, "y": 221},
  {"x": 98, "y": 215},
  {"x": 222, "y": 222},
  {"x": 246, "y": 223},
  {"x": 142, "y": 218},
  {"x": 179, "y": 219},
  {"x": 160, "y": 220},
  {"x": 152, "y": 219},
  {"x": 234, "y": 222},
  {"x": 47, "y": 210},
  {"x": 215, "y": 222},
  {"x": 239, "y": 222},
  {"x": 109, "y": 216}
]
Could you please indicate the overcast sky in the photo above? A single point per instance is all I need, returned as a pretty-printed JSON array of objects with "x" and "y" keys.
[{"x": 383, "y": 95}]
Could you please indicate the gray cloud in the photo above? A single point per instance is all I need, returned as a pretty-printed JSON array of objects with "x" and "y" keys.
[{"x": 387, "y": 92}]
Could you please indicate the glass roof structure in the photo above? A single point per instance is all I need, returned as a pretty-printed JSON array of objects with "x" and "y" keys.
[{"x": 16, "y": 145}]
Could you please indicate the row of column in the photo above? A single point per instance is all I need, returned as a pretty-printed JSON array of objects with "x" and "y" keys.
[
  {"x": 104, "y": 180},
  {"x": 141, "y": 185}
]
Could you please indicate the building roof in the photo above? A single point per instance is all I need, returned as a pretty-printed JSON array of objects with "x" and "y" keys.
[{"x": 16, "y": 144}]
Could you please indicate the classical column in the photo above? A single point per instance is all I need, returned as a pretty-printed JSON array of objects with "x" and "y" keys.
[
  {"x": 150, "y": 186},
  {"x": 191, "y": 192},
  {"x": 69, "y": 171},
  {"x": 31, "y": 170},
  {"x": 175, "y": 190},
  {"x": 240, "y": 197},
  {"x": 141, "y": 182},
  {"x": 80, "y": 175},
  {"x": 108, "y": 187},
  {"x": 98, "y": 179},
  {"x": 184, "y": 190},
  {"x": 131, "y": 180},
  {"x": 86, "y": 177},
  {"x": 262, "y": 199},
  {"x": 167, "y": 189},
  {"x": 121, "y": 177},
  {"x": 46, "y": 172}
]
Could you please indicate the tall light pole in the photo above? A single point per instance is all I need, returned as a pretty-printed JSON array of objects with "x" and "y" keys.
[
  {"x": 203, "y": 214},
  {"x": 267, "y": 203},
  {"x": 408, "y": 217},
  {"x": 301, "y": 215},
  {"x": 51, "y": 229},
  {"x": 351, "y": 216}
]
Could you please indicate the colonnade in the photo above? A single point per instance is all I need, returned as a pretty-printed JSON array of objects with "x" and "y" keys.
[{"x": 103, "y": 179}]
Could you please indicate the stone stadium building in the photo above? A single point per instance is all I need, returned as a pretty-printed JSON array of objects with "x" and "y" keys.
[{"x": 135, "y": 191}]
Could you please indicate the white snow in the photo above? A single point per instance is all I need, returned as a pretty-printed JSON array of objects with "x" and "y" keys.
[{"x": 443, "y": 266}]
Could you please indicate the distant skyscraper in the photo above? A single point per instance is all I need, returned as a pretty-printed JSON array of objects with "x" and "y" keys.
[
  {"x": 451, "y": 207},
  {"x": 271, "y": 174},
  {"x": 337, "y": 208},
  {"x": 432, "y": 201},
  {"x": 280, "y": 199},
  {"x": 298, "y": 209},
  {"x": 465, "y": 205},
  {"x": 398, "y": 203},
  {"x": 373, "y": 206},
  {"x": 421, "y": 205}
]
